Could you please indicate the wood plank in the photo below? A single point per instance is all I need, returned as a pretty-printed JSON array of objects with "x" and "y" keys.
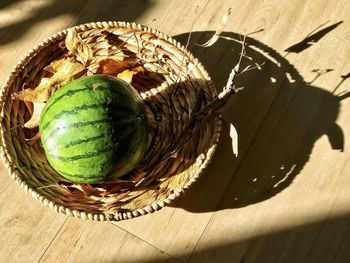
[
  {"x": 234, "y": 212},
  {"x": 172, "y": 230},
  {"x": 305, "y": 243},
  {"x": 86, "y": 241},
  {"x": 124, "y": 10},
  {"x": 289, "y": 179},
  {"x": 22, "y": 27},
  {"x": 26, "y": 226},
  {"x": 175, "y": 232}
]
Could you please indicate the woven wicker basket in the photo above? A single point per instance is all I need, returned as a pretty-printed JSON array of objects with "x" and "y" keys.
[{"x": 177, "y": 78}]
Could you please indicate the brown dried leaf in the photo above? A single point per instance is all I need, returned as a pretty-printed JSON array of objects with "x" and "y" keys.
[
  {"x": 111, "y": 67},
  {"x": 127, "y": 75},
  {"x": 29, "y": 106},
  {"x": 85, "y": 189},
  {"x": 117, "y": 185},
  {"x": 218, "y": 31},
  {"x": 99, "y": 190},
  {"x": 73, "y": 189},
  {"x": 112, "y": 189},
  {"x": 98, "y": 61},
  {"x": 67, "y": 185},
  {"x": 62, "y": 70},
  {"x": 89, "y": 190},
  {"x": 32, "y": 140},
  {"x": 78, "y": 47},
  {"x": 34, "y": 120}
]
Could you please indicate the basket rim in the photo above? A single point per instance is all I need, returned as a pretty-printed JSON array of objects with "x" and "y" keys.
[{"x": 15, "y": 172}]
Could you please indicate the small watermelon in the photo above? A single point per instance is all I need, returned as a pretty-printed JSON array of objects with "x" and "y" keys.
[{"x": 94, "y": 128}]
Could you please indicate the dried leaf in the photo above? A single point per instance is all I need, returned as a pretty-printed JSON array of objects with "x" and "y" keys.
[
  {"x": 117, "y": 181},
  {"x": 62, "y": 70},
  {"x": 98, "y": 190},
  {"x": 218, "y": 31},
  {"x": 234, "y": 139},
  {"x": 64, "y": 184},
  {"x": 78, "y": 47},
  {"x": 72, "y": 187},
  {"x": 32, "y": 140},
  {"x": 90, "y": 190},
  {"x": 34, "y": 120},
  {"x": 111, "y": 67},
  {"x": 29, "y": 106},
  {"x": 97, "y": 62},
  {"x": 127, "y": 75},
  {"x": 112, "y": 189},
  {"x": 117, "y": 185}
]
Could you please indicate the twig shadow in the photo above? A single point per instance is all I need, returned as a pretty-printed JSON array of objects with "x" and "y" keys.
[
  {"x": 279, "y": 117},
  {"x": 312, "y": 38}
]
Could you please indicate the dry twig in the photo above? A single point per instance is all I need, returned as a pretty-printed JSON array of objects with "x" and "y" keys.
[{"x": 200, "y": 112}]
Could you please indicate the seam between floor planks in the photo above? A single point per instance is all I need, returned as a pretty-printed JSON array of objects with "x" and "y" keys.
[
  {"x": 54, "y": 237},
  {"x": 127, "y": 232},
  {"x": 145, "y": 241}
]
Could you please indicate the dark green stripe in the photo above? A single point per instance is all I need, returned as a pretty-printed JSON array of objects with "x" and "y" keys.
[
  {"x": 68, "y": 93},
  {"x": 86, "y": 155},
  {"x": 73, "y": 112},
  {"x": 80, "y": 124},
  {"x": 77, "y": 142},
  {"x": 80, "y": 176},
  {"x": 72, "y": 92}
]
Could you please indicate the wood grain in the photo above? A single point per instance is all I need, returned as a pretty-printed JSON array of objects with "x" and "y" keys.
[
  {"x": 26, "y": 228},
  {"x": 117, "y": 245},
  {"x": 284, "y": 199}
]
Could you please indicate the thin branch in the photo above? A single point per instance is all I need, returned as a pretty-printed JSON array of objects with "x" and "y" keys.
[
  {"x": 249, "y": 68},
  {"x": 184, "y": 55},
  {"x": 200, "y": 112},
  {"x": 218, "y": 31},
  {"x": 138, "y": 46},
  {"x": 14, "y": 127}
]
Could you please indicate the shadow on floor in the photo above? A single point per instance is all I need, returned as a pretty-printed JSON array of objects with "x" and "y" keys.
[
  {"x": 312, "y": 38},
  {"x": 326, "y": 241},
  {"x": 7, "y": 3},
  {"x": 279, "y": 117},
  {"x": 81, "y": 11}
]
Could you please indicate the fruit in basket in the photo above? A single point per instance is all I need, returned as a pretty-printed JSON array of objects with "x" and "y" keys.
[{"x": 94, "y": 128}]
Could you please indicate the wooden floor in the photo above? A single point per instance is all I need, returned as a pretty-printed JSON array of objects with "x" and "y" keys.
[{"x": 286, "y": 198}]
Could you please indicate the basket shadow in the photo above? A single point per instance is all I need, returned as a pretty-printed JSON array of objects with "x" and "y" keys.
[
  {"x": 81, "y": 12},
  {"x": 278, "y": 116}
]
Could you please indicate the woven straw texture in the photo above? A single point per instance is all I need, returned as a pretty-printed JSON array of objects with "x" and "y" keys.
[{"x": 169, "y": 87}]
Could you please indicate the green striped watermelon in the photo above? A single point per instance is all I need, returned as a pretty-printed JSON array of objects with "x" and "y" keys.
[{"x": 94, "y": 129}]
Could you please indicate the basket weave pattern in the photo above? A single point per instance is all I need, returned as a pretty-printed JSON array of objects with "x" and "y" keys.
[{"x": 169, "y": 88}]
